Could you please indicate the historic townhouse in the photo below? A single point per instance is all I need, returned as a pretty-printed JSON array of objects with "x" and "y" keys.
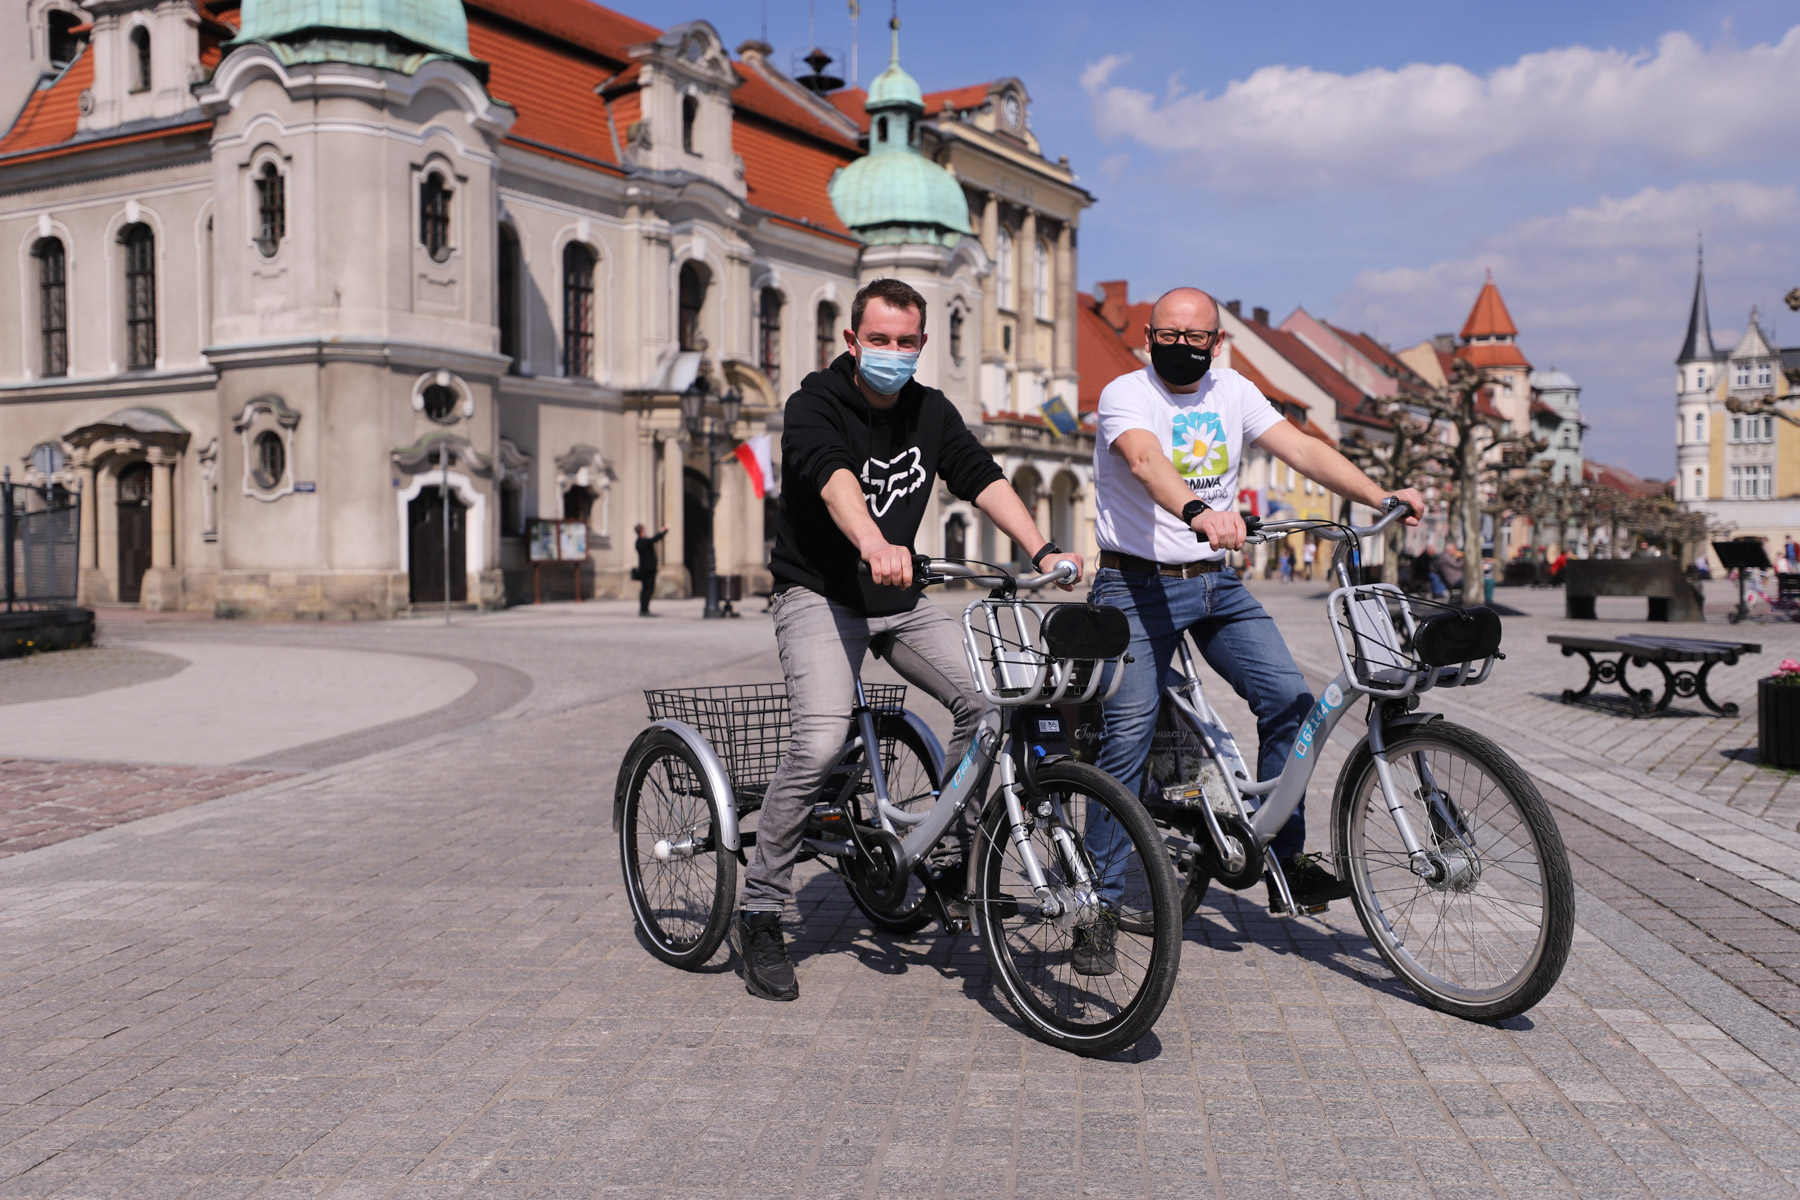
[
  {"x": 302, "y": 286},
  {"x": 1737, "y": 445}
]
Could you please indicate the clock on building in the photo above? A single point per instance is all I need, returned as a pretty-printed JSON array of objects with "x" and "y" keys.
[{"x": 1009, "y": 108}]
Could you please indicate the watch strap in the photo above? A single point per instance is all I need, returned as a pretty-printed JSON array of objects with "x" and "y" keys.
[
  {"x": 1192, "y": 509},
  {"x": 1038, "y": 558}
]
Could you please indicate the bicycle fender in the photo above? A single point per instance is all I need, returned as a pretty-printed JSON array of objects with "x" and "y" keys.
[{"x": 710, "y": 766}]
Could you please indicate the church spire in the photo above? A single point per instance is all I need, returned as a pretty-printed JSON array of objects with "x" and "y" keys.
[{"x": 1699, "y": 344}]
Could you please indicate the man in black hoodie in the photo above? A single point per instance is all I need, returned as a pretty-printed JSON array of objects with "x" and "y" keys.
[{"x": 860, "y": 444}]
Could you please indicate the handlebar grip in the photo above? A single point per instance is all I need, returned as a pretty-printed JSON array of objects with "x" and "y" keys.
[
  {"x": 1252, "y": 525},
  {"x": 920, "y": 563}
]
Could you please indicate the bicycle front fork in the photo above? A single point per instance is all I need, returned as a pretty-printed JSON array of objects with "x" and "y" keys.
[{"x": 1063, "y": 905}]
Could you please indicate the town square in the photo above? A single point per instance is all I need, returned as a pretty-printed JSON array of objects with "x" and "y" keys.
[{"x": 897, "y": 600}]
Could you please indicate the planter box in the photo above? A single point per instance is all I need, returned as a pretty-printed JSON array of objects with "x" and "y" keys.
[{"x": 1778, "y": 723}]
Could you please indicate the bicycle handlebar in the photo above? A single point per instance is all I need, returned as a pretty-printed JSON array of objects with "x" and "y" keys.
[
  {"x": 928, "y": 571},
  {"x": 1259, "y": 530}
]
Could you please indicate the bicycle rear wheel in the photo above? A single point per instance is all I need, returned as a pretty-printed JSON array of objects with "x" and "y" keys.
[
  {"x": 1046, "y": 965},
  {"x": 912, "y": 786},
  {"x": 1489, "y": 939},
  {"x": 681, "y": 884}
]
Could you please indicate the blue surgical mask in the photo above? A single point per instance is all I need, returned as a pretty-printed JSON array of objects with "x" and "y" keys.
[{"x": 886, "y": 370}]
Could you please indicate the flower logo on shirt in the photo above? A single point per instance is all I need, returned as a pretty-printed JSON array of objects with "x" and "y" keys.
[{"x": 1199, "y": 444}]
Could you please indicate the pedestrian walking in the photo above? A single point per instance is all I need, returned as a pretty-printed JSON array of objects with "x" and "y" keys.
[
  {"x": 1307, "y": 553},
  {"x": 645, "y": 571},
  {"x": 1287, "y": 565}
]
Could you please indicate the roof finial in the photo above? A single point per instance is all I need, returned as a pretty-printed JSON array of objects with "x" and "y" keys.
[
  {"x": 1490, "y": 274},
  {"x": 894, "y": 24}
]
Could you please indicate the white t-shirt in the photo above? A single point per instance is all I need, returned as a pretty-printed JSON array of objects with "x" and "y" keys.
[{"x": 1203, "y": 432}]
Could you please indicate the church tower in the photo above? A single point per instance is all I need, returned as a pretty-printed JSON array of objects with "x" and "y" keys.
[{"x": 1697, "y": 378}]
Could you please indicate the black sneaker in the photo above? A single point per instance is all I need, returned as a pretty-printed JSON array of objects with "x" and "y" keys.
[
  {"x": 1313, "y": 887},
  {"x": 1096, "y": 951},
  {"x": 767, "y": 971}
]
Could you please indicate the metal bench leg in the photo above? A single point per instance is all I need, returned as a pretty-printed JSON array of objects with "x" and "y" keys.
[
  {"x": 1641, "y": 696},
  {"x": 1598, "y": 672},
  {"x": 1690, "y": 684}
]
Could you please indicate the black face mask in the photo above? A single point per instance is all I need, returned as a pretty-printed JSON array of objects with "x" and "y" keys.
[{"x": 1180, "y": 364}]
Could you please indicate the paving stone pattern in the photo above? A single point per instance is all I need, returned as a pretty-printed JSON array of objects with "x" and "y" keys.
[
  {"x": 42, "y": 803},
  {"x": 414, "y": 975}
]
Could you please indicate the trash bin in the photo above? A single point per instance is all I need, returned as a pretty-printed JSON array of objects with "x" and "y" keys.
[{"x": 1487, "y": 591}]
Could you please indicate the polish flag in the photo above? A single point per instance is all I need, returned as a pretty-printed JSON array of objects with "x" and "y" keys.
[{"x": 754, "y": 454}]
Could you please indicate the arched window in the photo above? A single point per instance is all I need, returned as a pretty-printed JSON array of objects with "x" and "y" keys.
[
  {"x": 440, "y": 403},
  {"x": 506, "y": 299},
  {"x": 140, "y": 296},
  {"x": 1040, "y": 281},
  {"x": 1003, "y": 269},
  {"x": 53, "y": 306},
  {"x": 690, "y": 114},
  {"x": 768, "y": 334},
  {"x": 271, "y": 210},
  {"x": 64, "y": 44},
  {"x": 956, "y": 336},
  {"x": 578, "y": 311},
  {"x": 140, "y": 58},
  {"x": 881, "y": 129},
  {"x": 271, "y": 460},
  {"x": 825, "y": 339},
  {"x": 434, "y": 217},
  {"x": 691, "y": 302},
  {"x": 1699, "y": 427}
]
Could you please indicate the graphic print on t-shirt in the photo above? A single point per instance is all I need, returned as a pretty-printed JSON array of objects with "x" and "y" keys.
[
  {"x": 1198, "y": 444},
  {"x": 887, "y": 480}
]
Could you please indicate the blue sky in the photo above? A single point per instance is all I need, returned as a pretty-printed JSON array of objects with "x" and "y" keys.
[{"x": 1371, "y": 162}]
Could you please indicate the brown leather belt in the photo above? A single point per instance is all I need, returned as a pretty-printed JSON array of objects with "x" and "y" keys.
[{"x": 1144, "y": 566}]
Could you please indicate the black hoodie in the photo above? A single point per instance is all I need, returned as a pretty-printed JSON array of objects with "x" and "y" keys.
[{"x": 895, "y": 452}]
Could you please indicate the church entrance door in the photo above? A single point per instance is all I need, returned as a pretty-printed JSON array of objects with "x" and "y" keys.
[
  {"x": 134, "y": 530},
  {"x": 425, "y": 547}
]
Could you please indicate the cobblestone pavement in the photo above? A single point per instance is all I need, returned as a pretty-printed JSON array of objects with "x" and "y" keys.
[
  {"x": 42, "y": 803},
  {"x": 411, "y": 973}
]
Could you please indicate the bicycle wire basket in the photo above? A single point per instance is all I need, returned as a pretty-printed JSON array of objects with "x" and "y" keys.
[
  {"x": 1027, "y": 652},
  {"x": 1386, "y": 650},
  {"x": 748, "y": 725}
]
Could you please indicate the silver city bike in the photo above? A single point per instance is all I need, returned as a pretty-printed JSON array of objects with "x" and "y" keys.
[
  {"x": 1086, "y": 953},
  {"x": 1456, "y": 868}
]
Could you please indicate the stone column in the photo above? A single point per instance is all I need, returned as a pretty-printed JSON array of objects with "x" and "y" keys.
[
  {"x": 1063, "y": 278},
  {"x": 990, "y": 238},
  {"x": 90, "y": 517},
  {"x": 1025, "y": 290},
  {"x": 671, "y": 575},
  {"x": 162, "y": 512}
]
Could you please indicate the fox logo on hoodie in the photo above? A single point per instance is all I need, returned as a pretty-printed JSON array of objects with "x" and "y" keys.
[{"x": 885, "y": 481}]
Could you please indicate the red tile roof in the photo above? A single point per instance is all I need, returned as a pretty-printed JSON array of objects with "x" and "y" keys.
[
  {"x": 1309, "y": 364},
  {"x": 552, "y": 86},
  {"x": 1619, "y": 479},
  {"x": 1489, "y": 317},
  {"x": 1101, "y": 355},
  {"x": 50, "y": 114},
  {"x": 972, "y": 96},
  {"x": 763, "y": 98},
  {"x": 1243, "y": 366},
  {"x": 849, "y": 101},
  {"x": 1492, "y": 354},
  {"x": 576, "y": 22},
  {"x": 787, "y": 175},
  {"x": 1375, "y": 352}
]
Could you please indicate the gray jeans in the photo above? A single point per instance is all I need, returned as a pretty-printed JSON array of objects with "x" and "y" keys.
[{"x": 822, "y": 646}]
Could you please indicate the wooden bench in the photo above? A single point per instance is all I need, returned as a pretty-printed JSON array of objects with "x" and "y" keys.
[
  {"x": 1672, "y": 597},
  {"x": 1643, "y": 650}
]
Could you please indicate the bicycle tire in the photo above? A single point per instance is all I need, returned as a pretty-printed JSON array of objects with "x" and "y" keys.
[
  {"x": 682, "y": 905},
  {"x": 912, "y": 789},
  {"x": 1527, "y": 905},
  {"x": 1032, "y": 957}
]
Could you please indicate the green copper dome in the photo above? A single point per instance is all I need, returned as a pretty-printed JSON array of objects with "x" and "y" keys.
[
  {"x": 894, "y": 194},
  {"x": 397, "y": 34}
]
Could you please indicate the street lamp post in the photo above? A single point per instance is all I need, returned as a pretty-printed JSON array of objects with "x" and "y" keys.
[{"x": 702, "y": 427}]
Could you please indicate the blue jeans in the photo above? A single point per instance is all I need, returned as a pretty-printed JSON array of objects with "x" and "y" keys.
[{"x": 1238, "y": 639}]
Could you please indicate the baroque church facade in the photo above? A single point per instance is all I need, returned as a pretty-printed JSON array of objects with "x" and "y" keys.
[{"x": 320, "y": 304}]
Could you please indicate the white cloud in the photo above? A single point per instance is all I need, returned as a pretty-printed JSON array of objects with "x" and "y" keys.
[
  {"x": 1287, "y": 128},
  {"x": 1602, "y": 291}
]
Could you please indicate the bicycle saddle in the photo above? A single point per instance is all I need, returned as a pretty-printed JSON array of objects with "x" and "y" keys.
[{"x": 1078, "y": 630}]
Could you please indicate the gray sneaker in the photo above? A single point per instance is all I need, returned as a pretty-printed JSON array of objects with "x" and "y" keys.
[{"x": 1096, "y": 949}]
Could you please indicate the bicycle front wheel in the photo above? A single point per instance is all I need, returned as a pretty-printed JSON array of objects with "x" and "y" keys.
[
  {"x": 1488, "y": 938},
  {"x": 1094, "y": 977},
  {"x": 682, "y": 885}
]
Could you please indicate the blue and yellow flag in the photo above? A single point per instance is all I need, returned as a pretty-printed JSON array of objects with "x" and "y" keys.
[{"x": 1058, "y": 417}]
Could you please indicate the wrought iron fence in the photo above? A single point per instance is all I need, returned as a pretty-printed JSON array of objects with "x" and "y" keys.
[{"x": 40, "y": 542}]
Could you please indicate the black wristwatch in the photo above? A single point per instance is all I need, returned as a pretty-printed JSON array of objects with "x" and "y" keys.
[
  {"x": 1038, "y": 558},
  {"x": 1192, "y": 509}
]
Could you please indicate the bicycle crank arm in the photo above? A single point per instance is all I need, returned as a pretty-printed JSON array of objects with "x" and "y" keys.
[{"x": 835, "y": 849}]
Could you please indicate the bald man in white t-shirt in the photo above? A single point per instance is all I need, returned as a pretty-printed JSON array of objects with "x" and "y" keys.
[{"x": 1166, "y": 457}]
